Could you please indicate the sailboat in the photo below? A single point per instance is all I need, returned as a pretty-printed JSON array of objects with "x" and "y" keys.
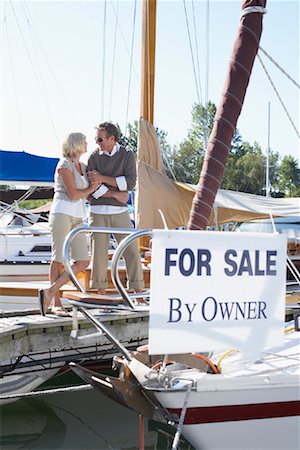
[
  {"x": 221, "y": 365},
  {"x": 25, "y": 240}
]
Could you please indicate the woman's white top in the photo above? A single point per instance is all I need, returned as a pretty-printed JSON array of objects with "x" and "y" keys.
[{"x": 61, "y": 201}]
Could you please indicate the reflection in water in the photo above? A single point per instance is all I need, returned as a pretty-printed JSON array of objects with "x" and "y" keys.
[
  {"x": 30, "y": 424},
  {"x": 77, "y": 420}
]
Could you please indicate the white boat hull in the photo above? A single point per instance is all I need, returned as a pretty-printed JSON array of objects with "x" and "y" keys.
[
  {"x": 23, "y": 383},
  {"x": 265, "y": 417},
  {"x": 280, "y": 433},
  {"x": 247, "y": 406},
  {"x": 28, "y": 271}
]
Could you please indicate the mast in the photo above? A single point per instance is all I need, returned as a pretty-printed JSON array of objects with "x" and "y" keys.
[
  {"x": 147, "y": 105},
  {"x": 268, "y": 155},
  {"x": 148, "y": 59},
  {"x": 228, "y": 111}
]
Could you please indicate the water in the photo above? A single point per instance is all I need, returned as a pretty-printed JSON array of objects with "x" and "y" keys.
[{"x": 78, "y": 420}]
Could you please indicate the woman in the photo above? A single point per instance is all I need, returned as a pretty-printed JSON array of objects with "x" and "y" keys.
[{"x": 71, "y": 187}]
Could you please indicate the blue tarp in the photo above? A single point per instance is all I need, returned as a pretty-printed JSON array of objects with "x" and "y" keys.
[{"x": 25, "y": 168}]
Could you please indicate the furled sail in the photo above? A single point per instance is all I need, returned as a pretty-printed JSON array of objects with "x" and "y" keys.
[
  {"x": 155, "y": 191},
  {"x": 236, "y": 83}
]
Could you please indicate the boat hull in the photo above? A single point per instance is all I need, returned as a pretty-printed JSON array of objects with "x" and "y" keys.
[
  {"x": 280, "y": 433},
  {"x": 265, "y": 414},
  {"x": 22, "y": 384}
]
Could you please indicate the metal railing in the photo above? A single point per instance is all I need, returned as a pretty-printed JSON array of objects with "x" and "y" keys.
[{"x": 130, "y": 236}]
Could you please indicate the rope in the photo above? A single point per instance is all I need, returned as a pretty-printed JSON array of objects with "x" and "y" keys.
[
  {"x": 279, "y": 98},
  {"x": 279, "y": 67},
  {"x": 20, "y": 127},
  {"x": 103, "y": 61},
  {"x": 130, "y": 66},
  {"x": 182, "y": 416},
  {"x": 65, "y": 102},
  {"x": 191, "y": 49},
  {"x": 197, "y": 51},
  {"x": 113, "y": 61},
  {"x": 125, "y": 42},
  {"x": 35, "y": 74},
  {"x": 253, "y": 9},
  {"x": 81, "y": 387},
  {"x": 207, "y": 60}
]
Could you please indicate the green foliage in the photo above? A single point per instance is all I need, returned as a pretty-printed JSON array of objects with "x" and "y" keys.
[
  {"x": 185, "y": 163},
  {"x": 32, "y": 204},
  {"x": 288, "y": 177},
  {"x": 245, "y": 168}
]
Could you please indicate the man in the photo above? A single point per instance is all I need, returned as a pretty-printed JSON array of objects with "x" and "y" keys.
[{"x": 114, "y": 168}]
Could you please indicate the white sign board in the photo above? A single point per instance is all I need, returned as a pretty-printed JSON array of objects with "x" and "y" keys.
[{"x": 216, "y": 290}]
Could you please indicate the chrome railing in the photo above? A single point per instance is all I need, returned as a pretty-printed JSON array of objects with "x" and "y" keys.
[{"x": 130, "y": 236}]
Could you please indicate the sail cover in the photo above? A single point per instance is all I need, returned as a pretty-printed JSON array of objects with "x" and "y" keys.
[
  {"x": 232, "y": 206},
  {"x": 235, "y": 86},
  {"x": 25, "y": 168}
]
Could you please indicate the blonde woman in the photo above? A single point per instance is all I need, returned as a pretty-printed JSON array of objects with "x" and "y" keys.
[{"x": 71, "y": 187}]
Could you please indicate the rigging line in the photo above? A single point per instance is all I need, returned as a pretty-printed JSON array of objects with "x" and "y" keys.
[
  {"x": 124, "y": 41},
  {"x": 103, "y": 62},
  {"x": 166, "y": 159},
  {"x": 197, "y": 50},
  {"x": 207, "y": 53},
  {"x": 15, "y": 205},
  {"x": 20, "y": 127},
  {"x": 191, "y": 49},
  {"x": 130, "y": 66},
  {"x": 113, "y": 61},
  {"x": 71, "y": 117},
  {"x": 279, "y": 98},
  {"x": 206, "y": 132},
  {"x": 279, "y": 67},
  {"x": 35, "y": 56},
  {"x": 34, "y": 71}
]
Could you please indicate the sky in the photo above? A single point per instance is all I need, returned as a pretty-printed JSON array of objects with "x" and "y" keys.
[{"x": 68, "y": 65}]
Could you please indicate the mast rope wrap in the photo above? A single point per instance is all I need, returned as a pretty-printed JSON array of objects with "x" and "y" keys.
[{"x": 253, "y": 9}]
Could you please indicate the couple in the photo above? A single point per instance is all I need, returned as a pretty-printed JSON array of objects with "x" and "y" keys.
[{"x": 105, "y": 181}]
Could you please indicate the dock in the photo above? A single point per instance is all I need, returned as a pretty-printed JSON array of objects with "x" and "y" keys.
[{"x": 30, "y": 341}]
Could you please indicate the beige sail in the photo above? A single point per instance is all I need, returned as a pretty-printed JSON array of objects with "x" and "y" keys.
[{"x": 155, "y": 191}]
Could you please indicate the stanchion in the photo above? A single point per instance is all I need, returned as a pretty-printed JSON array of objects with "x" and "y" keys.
[{"x": 142, "y": 432}]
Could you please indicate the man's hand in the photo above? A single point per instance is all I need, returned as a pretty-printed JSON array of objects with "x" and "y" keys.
[{"x": 121, "y": 196}]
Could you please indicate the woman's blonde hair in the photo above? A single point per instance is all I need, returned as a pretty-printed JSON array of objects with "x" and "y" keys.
[{"x": 74, "y": 144}]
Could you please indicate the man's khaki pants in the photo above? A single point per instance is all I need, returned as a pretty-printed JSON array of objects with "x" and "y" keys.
[{"x": 100, "y": 246}]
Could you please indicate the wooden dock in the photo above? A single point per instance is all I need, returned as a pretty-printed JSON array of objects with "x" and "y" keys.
[{"x": 26, "y": 339}]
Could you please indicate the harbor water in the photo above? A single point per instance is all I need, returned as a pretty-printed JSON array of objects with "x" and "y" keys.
[{"x": 78, "y": 420}]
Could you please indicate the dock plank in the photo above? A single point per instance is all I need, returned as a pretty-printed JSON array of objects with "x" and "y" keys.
[{"x": 33, "y": 334}]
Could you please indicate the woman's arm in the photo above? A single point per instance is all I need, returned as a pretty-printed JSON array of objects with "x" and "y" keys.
[{"x": 69, "y": 182}]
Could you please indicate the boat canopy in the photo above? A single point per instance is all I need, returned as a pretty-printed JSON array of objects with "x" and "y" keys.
[
  {"x": 25, "y": 168},
  {"x": 232, "y": 206},
  {"x": 158, "y": 192}
]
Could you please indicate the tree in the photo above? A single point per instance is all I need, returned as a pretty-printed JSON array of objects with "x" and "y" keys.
[
  {"x": 186, "y": 159},
  {"x": 288, "y": 179},
  {"x": 184, "y": 163}
]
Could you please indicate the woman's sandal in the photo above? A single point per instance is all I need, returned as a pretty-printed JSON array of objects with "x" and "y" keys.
[
  {"x": 41, "y": 301},
  {"x": 60, "y": 311}
]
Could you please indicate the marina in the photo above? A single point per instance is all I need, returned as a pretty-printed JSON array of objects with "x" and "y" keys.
[{"x": 206, "y": 355}]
